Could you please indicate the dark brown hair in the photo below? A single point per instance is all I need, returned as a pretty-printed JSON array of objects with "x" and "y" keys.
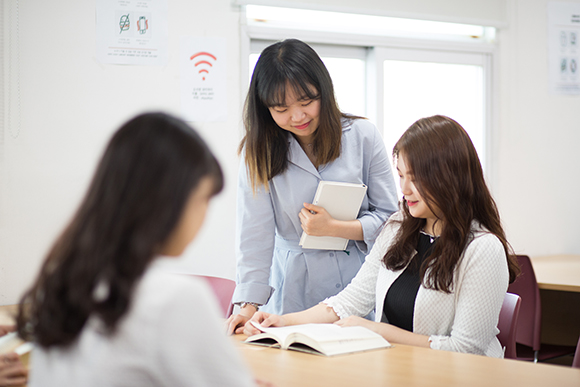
[
  {"x": 290, "y": 63},
  {"x": 447, "y": 173},
  {"x": 134, "y": 202}
]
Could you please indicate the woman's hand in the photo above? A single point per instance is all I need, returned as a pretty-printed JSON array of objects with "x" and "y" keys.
[
  {"x": 265, "y": 320},
  {"x": 353, "y": 321},
  {"x": 316, "y": 220},
  {"x": 235, "y": 323},
  {"x": 12, "y": 372}
]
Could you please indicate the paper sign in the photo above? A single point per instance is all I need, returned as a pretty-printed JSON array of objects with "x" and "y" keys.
[
  {"x": 203, "y": 66},
  {"x": 563, "y": 44},
  {"x": 132, "y": 32}
]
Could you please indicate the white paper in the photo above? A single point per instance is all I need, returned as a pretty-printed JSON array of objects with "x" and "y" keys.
[
  {"x": 132, "y": 32},
  {"x": 203, "y": 68},
  {"x": 563, "y": 43}
]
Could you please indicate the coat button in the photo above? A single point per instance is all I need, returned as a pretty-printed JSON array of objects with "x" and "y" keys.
[
  {"x": 332, "y": 254},
  {"x": 337, "y": 286}
]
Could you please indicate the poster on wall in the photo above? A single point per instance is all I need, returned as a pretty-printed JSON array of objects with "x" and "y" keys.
[
  {"x": 132, "y": 32},
  {"x": 563, "y": 52},
  {"x": 203, "y": 78}
]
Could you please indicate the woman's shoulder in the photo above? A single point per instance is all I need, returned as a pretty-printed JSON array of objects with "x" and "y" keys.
[
  {"x": 485, "y": 244},
  {"x": 360, "y": 125}
]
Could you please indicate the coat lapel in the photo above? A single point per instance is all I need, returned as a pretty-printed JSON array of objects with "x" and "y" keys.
[{"x": 298, "y": 157}]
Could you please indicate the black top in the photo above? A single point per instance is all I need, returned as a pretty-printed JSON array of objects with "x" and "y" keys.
[{"x": 400, "y": 299}]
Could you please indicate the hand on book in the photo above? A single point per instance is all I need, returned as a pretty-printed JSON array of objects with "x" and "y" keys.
[
  {"x": 12, "y": 372},
  {"x": 315, "y": 220},
  {"x": 265, "y": 320}
]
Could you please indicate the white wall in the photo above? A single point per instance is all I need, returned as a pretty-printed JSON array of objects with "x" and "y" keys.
[
  {"x": 70, "y": 104},
  {"x": 538, "y": 157}
]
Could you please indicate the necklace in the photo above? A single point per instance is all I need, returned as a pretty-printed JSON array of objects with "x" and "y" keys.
[{"x": 431, "y": 237}]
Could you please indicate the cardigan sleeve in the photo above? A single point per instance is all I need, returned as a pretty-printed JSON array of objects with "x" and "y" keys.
[{"x": 480, "y": 286}]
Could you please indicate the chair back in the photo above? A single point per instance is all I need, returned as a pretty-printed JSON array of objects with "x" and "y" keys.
[
  {"x": 530, "y": 318},
  {"x": 507, "y": 324},
  {"x": 223, "y": 289},
  {"x": 576, "y": 361}
]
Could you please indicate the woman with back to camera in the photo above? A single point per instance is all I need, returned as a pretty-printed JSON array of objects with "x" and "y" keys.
[
  {"x": 102, "y": 312},
  {"x": 439, "y": 270},
  {"x": 295, "y": 137}
]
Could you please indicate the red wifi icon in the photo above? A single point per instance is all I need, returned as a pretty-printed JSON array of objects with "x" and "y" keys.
[{"x": 203, "y": 61}]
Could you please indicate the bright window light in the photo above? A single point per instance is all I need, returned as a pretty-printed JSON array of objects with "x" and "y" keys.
[
  {"x": 421, "y": 89},
  {"x": 362, "y": 24},
  {"x": 348, "y": 78}
]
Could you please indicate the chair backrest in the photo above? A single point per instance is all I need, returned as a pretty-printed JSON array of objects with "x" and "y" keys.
[
  {"x": 507, "y": 324},
  {"x": 223, "y": 289},
  {"x": 530, "y": 319},
  {"x": 576, "y": 361}
]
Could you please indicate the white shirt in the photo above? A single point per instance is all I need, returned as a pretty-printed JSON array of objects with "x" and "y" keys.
[
  {"x": 171, "y": 336},
  {"x": 462, "y": 321}
]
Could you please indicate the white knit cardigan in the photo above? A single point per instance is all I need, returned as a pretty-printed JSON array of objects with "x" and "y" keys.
[{"x": 462, "y": 321}]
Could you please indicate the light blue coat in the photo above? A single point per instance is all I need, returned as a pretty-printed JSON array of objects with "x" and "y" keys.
[{"x": 272, "y": 268}]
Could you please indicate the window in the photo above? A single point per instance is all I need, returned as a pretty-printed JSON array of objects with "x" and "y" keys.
[
  {"x": 346, "y": 66},
  {"x": 393, "y": 71}
]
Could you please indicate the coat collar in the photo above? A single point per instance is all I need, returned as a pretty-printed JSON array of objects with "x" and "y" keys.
[{"x": 298, "y": 157}]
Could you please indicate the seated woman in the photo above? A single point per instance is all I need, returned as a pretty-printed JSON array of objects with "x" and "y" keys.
[
  {"x": 439, "y": 271},
  {"x": 102, "y": 312}
]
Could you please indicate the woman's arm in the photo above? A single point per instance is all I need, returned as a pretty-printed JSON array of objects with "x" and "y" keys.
[
  {"x": 318, "y": 314},
  {"x": 382, "y": 190},
  {"x": 255, "y": 232},
  {"x": 480, "y": 284},
  {"x": 390, "y": 332}
]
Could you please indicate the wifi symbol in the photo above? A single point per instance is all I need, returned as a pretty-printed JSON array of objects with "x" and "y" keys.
[{"x": 203, "y": 62}]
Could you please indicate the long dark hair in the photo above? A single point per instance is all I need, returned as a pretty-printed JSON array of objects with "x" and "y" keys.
[
  {"x": 448, "y": 175},
  {"x": 134, "y": 202},
  {"x": 288, "y": 63}
]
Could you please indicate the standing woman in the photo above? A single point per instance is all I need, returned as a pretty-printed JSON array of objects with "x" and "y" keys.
[
  {"x": 295, "y": 137},
  {"x": 102, "y": 312},
  {"x": 440, "y": 268}
]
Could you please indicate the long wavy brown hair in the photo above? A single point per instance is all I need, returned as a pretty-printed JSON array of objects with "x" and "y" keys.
[
  {"x": 290, "y": 63},
  {"x": 141, "y": 186},
  {"x": 447, "y": 173}
]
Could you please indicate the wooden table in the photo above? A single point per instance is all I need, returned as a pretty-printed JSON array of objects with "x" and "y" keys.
[
  {"x": 558, "y": 272},
  {"x": 401, "y": 365},
  {"x": 558, "y": 277}
]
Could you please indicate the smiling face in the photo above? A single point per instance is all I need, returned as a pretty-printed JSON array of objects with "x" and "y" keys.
[
  {"x": 417, "y": 205},
  {"x": 299, "y": 115}
]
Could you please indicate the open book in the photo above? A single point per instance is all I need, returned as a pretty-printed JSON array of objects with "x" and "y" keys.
[
  {"x": 319, "y": 339},
  {"x": 342, "y": 201}
]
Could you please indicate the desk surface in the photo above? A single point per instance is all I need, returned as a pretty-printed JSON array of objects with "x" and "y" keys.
[
  {"x": 400, "y": 365},
  {"x": 558, "y": 272}
]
